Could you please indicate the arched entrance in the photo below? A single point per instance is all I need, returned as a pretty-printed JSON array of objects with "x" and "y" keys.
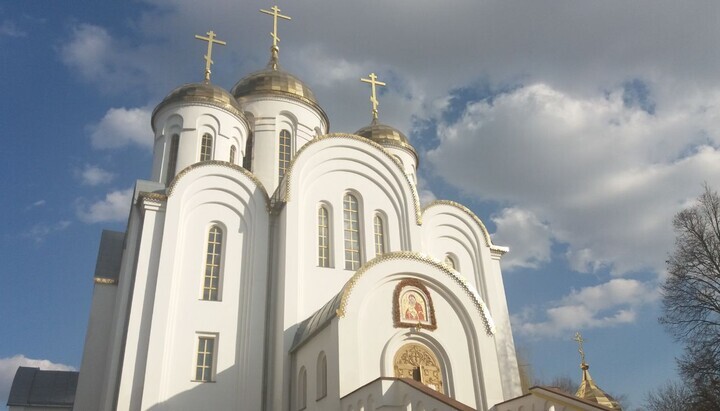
[{"x": 417, "y": 362}]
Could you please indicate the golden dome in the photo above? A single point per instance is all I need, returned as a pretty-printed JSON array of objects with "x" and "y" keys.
[
  {"x": 204, "y": 93},
  {"x": 273, "y": 81},
  {"x": 589, "y": 391},
  {"x": 386, "y": 136}
]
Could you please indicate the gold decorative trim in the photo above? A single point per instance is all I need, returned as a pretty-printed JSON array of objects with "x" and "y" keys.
[
  {"x": 152, "y": 196},
  {"x": 408, "y": 255},
  {"x": 110, "y": 281},
  {"x": 397, "y": 322},
  {"x": 246, "y": 173},
  {"x": 353, "y": 137},
  {"x": 486, "y": 234}
]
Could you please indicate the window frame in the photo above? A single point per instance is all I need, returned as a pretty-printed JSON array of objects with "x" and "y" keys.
[
  {"x": 324, "y": 236},
  {"x": 284, "y": 156},
  {"x": 379, "y": 237},
  {"x": 206, "y": 147},
  {"x": 233, "y": 154},
  {"x": 352, "y": 263},
  {"x": 211, "y": 368},
  {"x": 321, "y": 377},
  {"x": 172, "y": 158},
  {"x": 217, "y": 253}
]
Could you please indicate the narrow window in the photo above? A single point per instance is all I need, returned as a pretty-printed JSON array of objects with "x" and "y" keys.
[
  {"x": 284, "y": 160},
  {"x": 322, "y": 376},
  {"x": 172, "y": 160},
  {"x": 212, "y": 264},
  {"x": 206, "y": 147},
  {"x": 302, "y": 389},
  {"x": 247, "y": 160},
  {"x": 323, "y": 237},
  {"x": 233, "y": 150},
  {"x": 352, "y": 232},
  {"x": 205, "y": 358},
  {"x": 379, "y": 235},
  {"x": 450, "y": 262}
]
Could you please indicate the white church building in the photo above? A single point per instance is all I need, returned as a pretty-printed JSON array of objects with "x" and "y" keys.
[{"x": 269, "y": 264}]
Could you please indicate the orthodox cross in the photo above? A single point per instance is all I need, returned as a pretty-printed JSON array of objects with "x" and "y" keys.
[
  {"x": 373, "y": 97},
  {"x": 208, "y": 57},
  {"x": 275, "y": 13},
  {"x": 580, "y": 342}
]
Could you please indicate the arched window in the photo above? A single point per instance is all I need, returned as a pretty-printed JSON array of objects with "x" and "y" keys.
[
  {"x": 247, "y": 160},
  {"x": 211, "y": 279},
  {"x": 419, "y": 363},
  {"x": 379, "y": 235},
  {"x": 352, "y": 232},
  {"x": 450, "y": 262},
  {"x": 233, "y": 151},
  {"x": 323, "y": 237},
  {"x": 321, "y": 375},
  {"x": 302, "y": 389},
  {"x": 206, "y": 147},
  {"x": 284, "y": 159},
  {"x": 172, "y": 158}
]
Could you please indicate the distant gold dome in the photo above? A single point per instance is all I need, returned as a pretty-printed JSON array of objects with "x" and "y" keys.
[
  {"x": 589, "y": 391},
  {"x": 204, "y": 93},
  {"x": 386, "y": 136}
]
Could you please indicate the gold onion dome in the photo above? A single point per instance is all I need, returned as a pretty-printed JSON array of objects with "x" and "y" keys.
[
  {"x": 386, "y": 136},
  {"x": 589, "y": 391},
  {"x": 202, "y": 93},
  {"x": 273, "y": 81}
]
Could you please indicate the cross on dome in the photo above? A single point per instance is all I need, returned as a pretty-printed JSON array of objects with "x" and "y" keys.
[
  {"x": 208, "y": 57},
  {"x": 372, "y": 80},
  {"x": 579, "y": 339},
  {"x": 275, "y": 13}
]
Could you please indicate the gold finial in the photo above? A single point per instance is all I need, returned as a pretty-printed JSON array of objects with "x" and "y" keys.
[
  {"x": 580, "y": 342},
  {"x": 275, "y": 13},
  {"x": 208, "y": 57},
  {"x": 373, "y": 97}
]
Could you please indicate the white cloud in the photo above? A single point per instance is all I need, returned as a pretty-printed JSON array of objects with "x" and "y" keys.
[
  {"x": 530, "y": 238},
  {"x": 613, "y": 303},
  {"x": 38, "y": 203},
  {"x": 604, "y": 178},
  {"x": 115, "y": 207},
  {"x": 94, "y": 175},
  {"x": 40, "y": 231},
  {"x": 89, "y": 51},
  {"x": 9, "y": 365},
  {"x": 121, "y": 127}
]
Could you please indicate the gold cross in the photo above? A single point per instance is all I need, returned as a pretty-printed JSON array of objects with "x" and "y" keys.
[
  {"x": 580, "y": 342},
  {"x": 275, "y": 13},
  {"x": 208, "y": 57},
  {"x": 373, "y": 97}
]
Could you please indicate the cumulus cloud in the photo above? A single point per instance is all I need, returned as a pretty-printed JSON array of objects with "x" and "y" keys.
[
  {"x": 9, "y": 365},
  {"x": 40, "y": 231},
  {"x": 530, "y": 238},
  {"x": 38, "y": 203},
  {"x": 605, "y": 178},
  {"x": 92, "y": 175},
  {"x": 121, "y": 127},
  {"x": 612, "y": 303},
  {"x": 114, "y": 207}
]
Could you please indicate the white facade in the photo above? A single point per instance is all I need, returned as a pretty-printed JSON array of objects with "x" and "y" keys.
[{"x": 221, "y": 301}]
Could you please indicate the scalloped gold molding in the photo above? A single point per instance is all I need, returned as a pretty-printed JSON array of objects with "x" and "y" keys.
[{"x": 407, "y": 255}]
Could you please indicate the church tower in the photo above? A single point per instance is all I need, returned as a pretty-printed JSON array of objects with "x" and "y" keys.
[{"x": 270, "y": 265}]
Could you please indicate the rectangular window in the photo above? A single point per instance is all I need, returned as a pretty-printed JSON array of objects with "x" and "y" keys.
[
  {"x": 323, "y": 238},
  {"x": 204, "y": 367}
]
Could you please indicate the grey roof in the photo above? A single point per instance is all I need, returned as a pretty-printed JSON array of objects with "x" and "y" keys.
[
  {"x": 41, "y": 388},
  {"x": 109, "y": 254},
  {"x": 316, "y": 322}
]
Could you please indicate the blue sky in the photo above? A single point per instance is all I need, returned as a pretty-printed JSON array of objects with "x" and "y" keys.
[{"x": 575, "y": 130}]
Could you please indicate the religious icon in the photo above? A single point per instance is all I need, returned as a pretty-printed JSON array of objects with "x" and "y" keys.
[{"x": 412, "y": 306}]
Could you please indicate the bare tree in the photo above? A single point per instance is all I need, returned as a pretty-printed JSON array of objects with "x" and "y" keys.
[
  {"x": 672, "y": 396},
  {"x": 691, "y": 296}
]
